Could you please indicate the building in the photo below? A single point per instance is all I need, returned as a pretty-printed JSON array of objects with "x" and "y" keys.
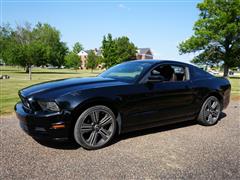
[
  {"x": 84, "y": 54},
  {"x": 144, "y": 53}
]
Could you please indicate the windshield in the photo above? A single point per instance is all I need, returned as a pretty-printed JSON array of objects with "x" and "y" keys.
[{"x": 128, "y": 72}]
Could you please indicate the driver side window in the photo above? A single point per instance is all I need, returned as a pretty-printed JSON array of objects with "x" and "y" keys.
[{"x": 170, "y": 72}]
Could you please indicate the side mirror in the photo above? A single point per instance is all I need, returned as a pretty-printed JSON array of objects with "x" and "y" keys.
[{"x": 155, "y": 78}]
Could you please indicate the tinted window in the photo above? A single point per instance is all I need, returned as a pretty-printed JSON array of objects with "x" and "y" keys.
[
  {"x": 170, "y": 72},
  {"x": 198, "y": 73}
]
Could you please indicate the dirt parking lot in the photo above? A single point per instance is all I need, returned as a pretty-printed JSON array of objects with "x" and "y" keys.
[{"x": 182, "y": 151}]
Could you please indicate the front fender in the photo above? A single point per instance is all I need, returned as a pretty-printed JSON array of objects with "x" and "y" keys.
[{"x": 78, "y": 104}]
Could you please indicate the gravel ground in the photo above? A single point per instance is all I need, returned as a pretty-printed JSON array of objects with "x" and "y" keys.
[{"x": 182, "y": 151}]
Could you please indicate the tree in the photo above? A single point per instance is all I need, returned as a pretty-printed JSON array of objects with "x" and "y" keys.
[
  {"x": 216, "y": 34},
  {"x": 5, "y": 41},
  {"x": 117, "y": 50},
  {"x": 92, "y": 60},
  {"x": 50, "y": 37},
  {"x": 72, "y": 60},
  {"x": 27, "y": 46},
  {"x": 108, "y": 51},
  {"x": 125, "y": 49},
  {"x": 22, "y": 52},
  {"x": 77, "y": 47}
]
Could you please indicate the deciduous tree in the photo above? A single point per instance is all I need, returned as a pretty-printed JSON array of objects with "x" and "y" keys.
[
  {"x": 92, "y": 60},
  {"x": 117, "y": 50},
  {"x": 27, "y": 46},
  {"x": 77, "y": 47},
  {"x": 72, "y": 60},
  {"x": 216, "y": 34}
]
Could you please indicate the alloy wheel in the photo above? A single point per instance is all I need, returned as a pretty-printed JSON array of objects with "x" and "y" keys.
[
  {"x": 212, "y": 110},
  {"x": 97, "y": 128}
]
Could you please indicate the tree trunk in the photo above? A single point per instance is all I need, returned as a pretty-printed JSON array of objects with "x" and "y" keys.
[
  {"x": 29, "y": 71},
  {"x": 225, "y": 70},
  {"x": 26, "y": 69}
]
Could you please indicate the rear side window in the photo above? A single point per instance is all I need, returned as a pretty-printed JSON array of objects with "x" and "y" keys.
[
  {"x": 199, "y": 73},
  {"x": 171, "y": 72}
]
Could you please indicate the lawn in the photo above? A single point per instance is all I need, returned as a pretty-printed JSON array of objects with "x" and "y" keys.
[
  {"x": 235, "y": 83},
  {"x": 19, "y": 79}
]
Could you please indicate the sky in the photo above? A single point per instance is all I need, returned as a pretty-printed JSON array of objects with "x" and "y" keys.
[{"x": 157, "y": 24}]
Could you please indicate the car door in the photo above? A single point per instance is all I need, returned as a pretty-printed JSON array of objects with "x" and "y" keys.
[
  {"x": 171, "y": 101},
  {"x": 160, "y": 102}
]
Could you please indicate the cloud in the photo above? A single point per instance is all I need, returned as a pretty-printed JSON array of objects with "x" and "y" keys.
[{"x": 122, "y": 6}]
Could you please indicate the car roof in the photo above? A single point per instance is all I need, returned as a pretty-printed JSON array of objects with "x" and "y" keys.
[{"x": 157, "y": 61}]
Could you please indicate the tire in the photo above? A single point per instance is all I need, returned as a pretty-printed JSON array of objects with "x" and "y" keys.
[
  {"x": 95, "y": 127},
  {"x": 210, "y": 111}
]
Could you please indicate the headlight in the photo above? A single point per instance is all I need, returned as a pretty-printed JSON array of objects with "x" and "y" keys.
[{"x": 48, "y": 106}]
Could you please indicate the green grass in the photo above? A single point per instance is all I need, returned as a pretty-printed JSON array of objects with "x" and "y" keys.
[
  {"x": 19, "y": 79},
  {"x": 235, "y": 83}
]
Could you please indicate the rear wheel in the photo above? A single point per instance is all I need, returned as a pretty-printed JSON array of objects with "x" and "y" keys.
[
  {"x": 210, "y": 111},
  {"x": 95, "y": 127}
]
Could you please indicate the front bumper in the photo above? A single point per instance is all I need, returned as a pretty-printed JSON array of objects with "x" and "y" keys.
[{"x": 40, "y": 125}]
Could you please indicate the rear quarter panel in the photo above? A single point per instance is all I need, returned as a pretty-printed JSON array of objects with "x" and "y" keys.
[{"x": 205, "y": 87}]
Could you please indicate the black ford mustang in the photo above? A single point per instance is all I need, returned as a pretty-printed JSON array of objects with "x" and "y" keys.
[{"x": 133, "y": 95}]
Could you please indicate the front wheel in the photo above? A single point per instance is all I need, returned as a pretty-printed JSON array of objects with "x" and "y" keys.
[
  {"x": 95, "y": 127},
  {"x": 210, "y": 111}
]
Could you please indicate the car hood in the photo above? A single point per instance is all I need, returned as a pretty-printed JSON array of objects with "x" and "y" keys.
[{"x": 65, "y": 86}]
